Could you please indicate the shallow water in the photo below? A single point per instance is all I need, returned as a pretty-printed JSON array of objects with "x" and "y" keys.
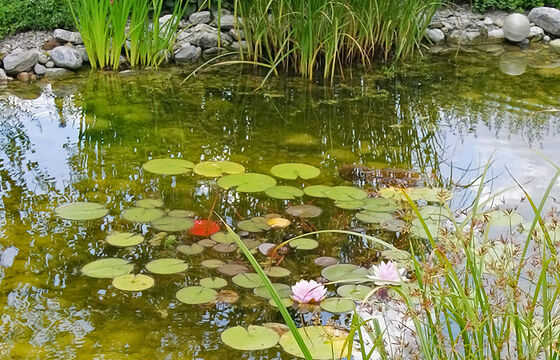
[{"x": 86, "y": 139}]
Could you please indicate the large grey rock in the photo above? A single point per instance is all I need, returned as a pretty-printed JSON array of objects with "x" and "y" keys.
[
  {"x": 49, "y": 64},
  {"x": 228, "y": 22},
  {"x": 516, "y": 27},
  {"x": 188, "y": 54},
  {"x": 66, "y": 57},
  {"x": 204, "y": 36},
  {"x": 237, "y": 34},
  {"x": 83, "y": 53},
  {"x": 65, "y": 36},
  {"x": 436, "y": 36},
  {"x": 19, "y": 62},
  {"x": 555, "y": 45},
  {"x": 201, "y": 17},
  {"x": 238, "y": 45},
  {"x": 165, "y": 24},
  {"x": 496, "y": 35},
  {"x": 3, "y": 77},
  {"x": 39, "y": 69},
  {"x": 57, "y": 72},
  {"x": 547, "y": 18}
]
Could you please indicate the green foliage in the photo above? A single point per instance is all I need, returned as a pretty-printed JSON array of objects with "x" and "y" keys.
[
  {"x": 512, "y": 5},
  {"x": 23, "y": 15}
]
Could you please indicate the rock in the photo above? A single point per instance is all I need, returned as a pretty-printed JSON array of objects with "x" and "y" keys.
[
  {"x": 83, "y": 53},
  {"x": 3, "y": 77},
  {"x": 49, "y": 65},
  {"x": 516, "y": 27},
  {"x": 213, "y": 51},
  {"x": 546, "y": 38},
  {"x": 164, "y": 23},
  {"x": 547, "y": 18},
  {"x": 499, "y": 22},
  {"x": 65, "y": 36},
  {"x": 467, "y": 36},
  {"x": 23, "y": 77},
  {"x": 228, "y": 22},
  {"x": 66, "y": 57},
  {"x": 39, "y": 69},
  {"x": 201, "y": 17},
  {"x": 535, "y": 34},
  {"x": 555, "y": 45},
  {"x": 188, "y": 54},
  {"x": 436, "y": 36},
  {"x": 496, "y": 35},
  {"x": 51, "y": 44},
  {"x": 488, "y": 21},
  {"x": 238, "y": 45},
  {"x": 43, "y": 59},
  {"x": 19, "y": 62},
  {"x": 57, "y": 72},
  {"x": 237, "y": 34},
  {"x": 204, "y": 36}
]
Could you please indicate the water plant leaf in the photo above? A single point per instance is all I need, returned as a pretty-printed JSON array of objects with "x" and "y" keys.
[
  {"x": 212, "y": 263},
  {"x": 265, "y": 248},
  {"x": 345, "y": 193},
  {"x": 380, "y": 205},
  {"x": 304, "y": 211},
  {"x": 124, "y": 239},
  {"x": 194, "y": 295},
  {"x": 372, "y": 217},
  {"x": 349, "y": 205},
  {"x": 277, "y": 271},
  {"x": 283, "y": 290},
  {"x": 292, "y": 171},
  {"x": 218, "y": 168},
  {"x": 337, "y": 305},
  {"x": 167, "y": 266},
  {"x": 180, "y": 213},
  {"x": 250, "y": 338},
  {"x": 317, "y": 191},
  {"x": 287, "y": 302},
  {"x": 355, "y": 292},
  {"x": 232, "y": 269},
  {"x": 193, "y": 249},
  {"x": 504, "y": 218},
  {"x": 278, "y": 222},
  {"x": 107, "y": 268},
  {"x": 247, "y": 280},
  {"x": 284, "y": 192},
  {"x": 81, "y": 211},
  {"x": 149, "y": 203},
  {"x": 418, "y": 230},
  {"x": 132, "y": 282},
  {"x": 168, "y": 166},
  {"x": 203, "y": 227},
  {"x": 141, "y": 214},
  {"x": 324, "y": 261},
  {"x": 324, "y": 342},
  {"x": 172, "y": 224},
  {"x": 393, "y": 224},
  {"x": 304, "y": 244},
  {"x": 430, "y": 194},
  {"x": 223, "y": 238},
  {"x": 393, "y": 193},
  {"x": 433, "y": 212},
  {"x": 207, "y": 243},
  {"x": 256, "y": 224},
  {"x": 213, "y": 282},
  {"x": 225, "y": 248},
  {"x": 247, "y": 182},
  {"x": 344, "y": 272}
]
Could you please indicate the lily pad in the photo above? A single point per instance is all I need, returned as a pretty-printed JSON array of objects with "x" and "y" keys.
[
  {"x": 213, "y": 282},
  {"x": 277, "y": 271},
  {"x": 168, "y": 166},
  {"x": 232, "y": 269},
  {"x": 124, "y": 239},
  {"x": 345, "y": 193},
  {"x": 193, "y": 295},
  {"x": 284, "y": 192},
  {"x": 292, "y": 171},
  {"x": 349, "y": 205},
  {"x": 247, "y": 280},
  {"x": 81, "y": 211},
  {"x": 247, "y": 182},
  {"x": 354, "y": 292},
  {"x": 131, "y": 282},
  {"x": 142, "y": 214},
  {"x": 285, "y": 301},
  {"x": 434, "y": 212},
  {"x": 317, "y": 191},
  {"x": 265, "y": 248},
  {"x": 172, "y": 224},
  {"x": 380, "y": 205},
  {"x": 212, "y": 263},
  {"x": 304, "y": 211},
  {"x": 218, "y": 168},
  {"x": 180, "y": 213},
  {"x": 225, "y": 248},
  {"x": 107, "y": 268},
  {"x": 278, "y": 222},
  {"x": 504, "y": 218},
  {"x": 324, "y": 261},
  {"x": 193, "y": 249},
  {"x": 250, "y": 338},
  {"x": 430, "y": 194},
  {"x": 149, "y": 203},
  {"x": 284, "y": 291},
  {"x": 344, "y": 272},
  {"x": 372, "y": 217},
  {"x": 337, "y": 305},
  {"x": 223, "y": 237},
  {"x": 304, "y": 244},
  {"x": 393, "y": 225},
  {"x": 207, "y": 243},
  {"x": 324, "y": 342},
  {"x": 256, "y": 224},
  {"x": 167, "y": 266},
  {"x": 418, "y": 230}
]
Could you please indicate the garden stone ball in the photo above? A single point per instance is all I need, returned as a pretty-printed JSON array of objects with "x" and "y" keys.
[{"x": 516, "y": 27}]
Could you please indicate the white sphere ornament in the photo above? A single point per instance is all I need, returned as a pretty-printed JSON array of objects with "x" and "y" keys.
[{"x": 516, "y": 27}]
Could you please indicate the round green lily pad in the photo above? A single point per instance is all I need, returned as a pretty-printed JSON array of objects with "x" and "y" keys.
[
  {"x": 124, "y": 239},
  {"x": 247, "y": 182},
  {"x": 168, "y": 166},
  {"x": 247, "y": 280},
  {"x": 393, "y": 224},
  {"x": 212, "y": 263},
  {"x": 132, "y": 282},
  {"x": 504, "y": 218},
  {"x": 167, "y": 266},
  {"x": 81, "y": 211},
  {"x": 417, "y": 229},
  {"x": 180, "y": 213},
  {"x": 141, "y": 214},
  {"x": 304, "y": 211},
  {"x": 355, "y": 292},
  {"x": 250, "y": 339},
  {"x": 232, "y": 269},
  {"x": 304, "y": 244},
  {"x": 207, "y": 243},
  {"x": 277, "y": 271},
  {"x": 225, "y": 248},
  {"x": 285, "y": 301},
  {"x": 324, "y": 342},
  {"x": 256, "y": 224},
  {"x": 172, "y": 224},
  {"x": 193, "y": 295},
  {"x": 344, "y": 272},
  {"x": 218, "y": 168},
  {"x": 337, "y": 305},
  {"x": 292, "y": 171},
  {"x": 283, "y": 290},
  {"x": 324, "y": 261},
  {"x": 284, "y": 192},
  {"x": 434, "y": 212},
  {"x": 213, "y": 282},
  {"x": 349, "y": 205},
  {"x": 380, "y": 205},
  {"x": 317, "y": 191},
  {"x": 149, "y": 203},
  {"x": 223, "y": 237},
  {"x": 371, "y": 217},
  {"x": 193, "y": 249},
  {"x": 107, "y": 268},
  {"x": 430, "y": 194},
  {"x": 345, "y": 193}
]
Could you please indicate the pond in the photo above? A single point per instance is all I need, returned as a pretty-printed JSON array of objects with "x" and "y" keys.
[{"x": 436, "y": 123}]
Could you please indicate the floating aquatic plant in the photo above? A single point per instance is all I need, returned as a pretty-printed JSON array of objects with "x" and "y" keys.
[
  {"x": 305, "y": 292},
  {"x": 292, "y": 171},
  {"x": 218, "y": 168},
  {"x": 132, "y": 282},
  {"x": 247, "y": 182},
  {"x": 205, "y": 228},
  {"x": 168, "y": 166},
  {"x": 124, "y": 239},
  {"x": 81, "y": 211},
  {"x": 167, "y": 266},
  {"x": 250, "y": 338},
  {"x": 386, "y": 273},
  {"x": 107, "y": 268},
  {"x": 193, "y": 295}
]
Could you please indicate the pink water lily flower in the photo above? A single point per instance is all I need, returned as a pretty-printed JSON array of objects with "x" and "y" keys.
[
  {"x": 305, "y": 292},
  {"x": 386, "y": 273}
]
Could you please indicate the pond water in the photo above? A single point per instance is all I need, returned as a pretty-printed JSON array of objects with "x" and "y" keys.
[{"x": 442, "y": 117}]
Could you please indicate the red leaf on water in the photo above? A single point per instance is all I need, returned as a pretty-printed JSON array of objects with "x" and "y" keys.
[{"x": 204, "y": 228}]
